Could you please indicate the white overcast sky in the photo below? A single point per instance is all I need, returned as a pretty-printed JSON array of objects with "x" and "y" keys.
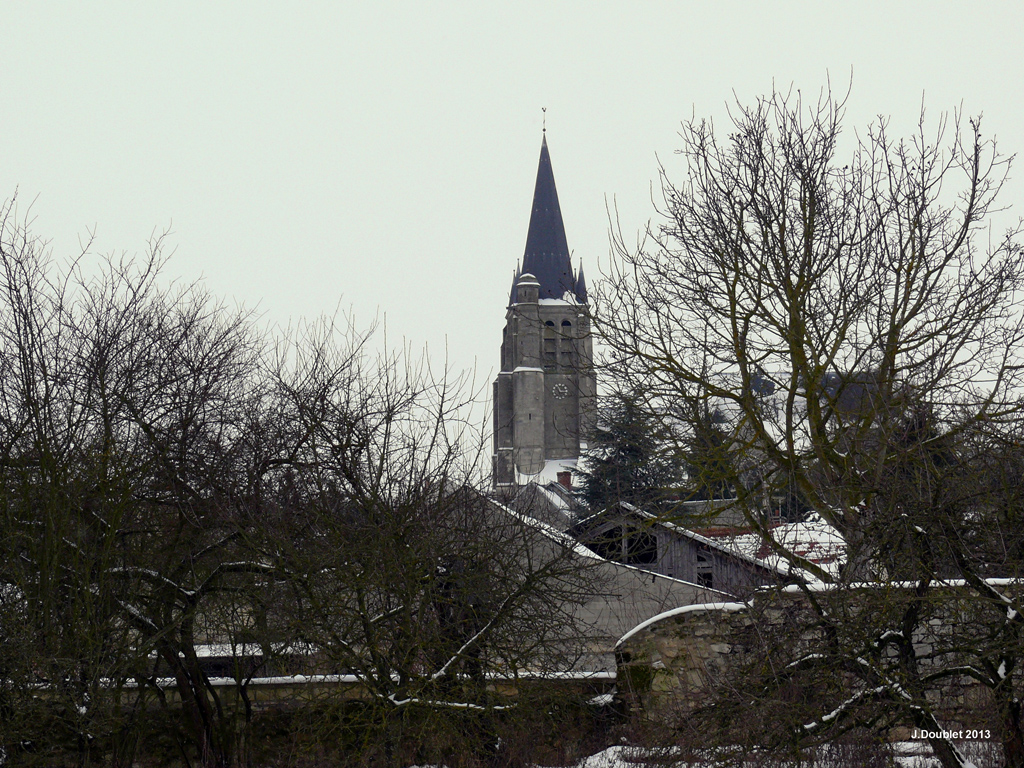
[{"x": 381, "y": 156}]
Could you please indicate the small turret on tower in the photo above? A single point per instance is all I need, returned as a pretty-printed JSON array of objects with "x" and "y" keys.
[
  {"x": 581, "y": 287},
  {"x": 527, "y": 289}
]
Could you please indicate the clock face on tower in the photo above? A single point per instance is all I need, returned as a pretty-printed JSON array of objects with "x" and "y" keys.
[{"x": 560, "y": 391}]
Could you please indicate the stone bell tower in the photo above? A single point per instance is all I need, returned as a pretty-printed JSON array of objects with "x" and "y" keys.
[{"x": 544, "y": 394}]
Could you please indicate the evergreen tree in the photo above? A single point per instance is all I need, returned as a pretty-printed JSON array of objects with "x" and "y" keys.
[
  {"x": 632, "y": 456},
  {"x": 707, "y": 457}
]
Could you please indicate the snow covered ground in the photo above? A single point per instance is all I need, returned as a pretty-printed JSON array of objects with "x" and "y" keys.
[{"x": 908, "y": 754}]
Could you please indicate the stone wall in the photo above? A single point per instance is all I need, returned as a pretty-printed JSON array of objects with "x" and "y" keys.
[
  {"x": 673, "y": 664},
  {"x": 680, "y": 661}
]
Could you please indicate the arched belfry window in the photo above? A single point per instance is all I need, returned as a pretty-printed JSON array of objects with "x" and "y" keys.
[
  {"x": 568, "y": 349},
  {"x": 550, "y": 347}
]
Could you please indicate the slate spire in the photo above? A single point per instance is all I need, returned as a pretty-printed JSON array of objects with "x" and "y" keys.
[{"x": 547, "y": 252}]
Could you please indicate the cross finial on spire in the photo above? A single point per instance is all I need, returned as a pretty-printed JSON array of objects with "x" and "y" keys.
[{"x": 544, "y": 120}]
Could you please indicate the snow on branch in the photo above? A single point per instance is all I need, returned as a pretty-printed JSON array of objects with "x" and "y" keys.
[
  {"x": 842, "y": 708},
  {"x": 469, "y": 643},
  {"x": 805, "y": 660},
  {"x": 152, "y": 576},
  {"x": 446, "y": 704}
]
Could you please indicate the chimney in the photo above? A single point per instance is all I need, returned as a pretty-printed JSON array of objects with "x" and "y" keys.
[{"x": 565, "y": 478}]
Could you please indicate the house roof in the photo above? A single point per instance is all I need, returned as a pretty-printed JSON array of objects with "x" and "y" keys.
[
  {"x": 815, "y": 540},
  {"x": 624, "y": 595}
]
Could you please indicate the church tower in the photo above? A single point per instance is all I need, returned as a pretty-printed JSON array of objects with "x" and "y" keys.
[{"x": 544, "y": 394}]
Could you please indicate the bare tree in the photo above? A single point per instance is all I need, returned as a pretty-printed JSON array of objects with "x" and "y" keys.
[
  {"x": 173, "y": 478},
  {"x": 395, "y": 569},
  {"x": 192, "y": 394},
  {"x": 126, "y": 484},
  {"x": 856, "y": 323},
  {"x": 59, "y": 495}
]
